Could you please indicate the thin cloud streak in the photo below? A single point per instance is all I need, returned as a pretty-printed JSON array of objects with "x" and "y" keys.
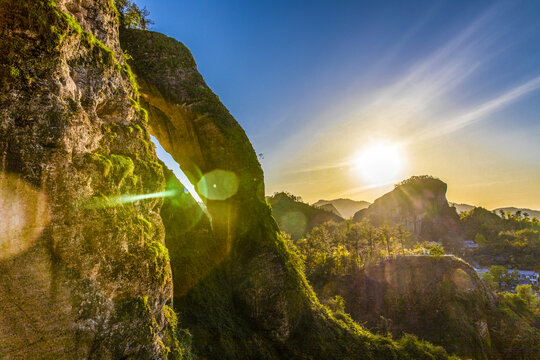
[
  {"x": 480, "y": 112},
  {"x": 359, "y": 189}
]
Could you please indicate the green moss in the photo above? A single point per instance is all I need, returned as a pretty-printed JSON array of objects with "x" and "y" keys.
[
  {"x": 122, "y": 165},
  {"x": 118, "y": 166},
  {"x": 156, "y": 249},
  {"x": 147, "y": 224},
  {"x": 158, "y": 257},
  {"x": 178, "y": 340},
  {"x": 103, "y": 161},
  {"x": 14, "y": 72},
  {"x": 138, "y": 309},
  {"x": 54, "y": 26},
  {"x": 170, "y": 316},
  {"x": 132, "y": 78},
  {"x": 126, "y": 308}
]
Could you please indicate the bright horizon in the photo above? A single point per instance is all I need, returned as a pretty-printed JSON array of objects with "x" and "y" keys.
[{"x": 453, "y": 84}]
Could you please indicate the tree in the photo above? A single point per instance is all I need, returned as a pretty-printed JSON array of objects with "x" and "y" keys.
[
  {"x": 436, "y": 251},
  {"x": 403, "y": 236},
  {"x": 369, "y": 233},
  {"x": 502, "y": 278},
  {"x": 480, "y": 239},
  {"x": 386, "y": 234},
  {"x": 131, "y": 16},
  {"x": 356, "y": 242},
  {"x": 526, "y": 293}
]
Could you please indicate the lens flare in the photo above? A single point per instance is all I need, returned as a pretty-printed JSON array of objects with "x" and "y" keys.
[
  {"x": 105, "y": 202},
  {"x": 24, "y": 213},
  {"x": 218, "y": 185},
  {"x": 294, "y": 220}
]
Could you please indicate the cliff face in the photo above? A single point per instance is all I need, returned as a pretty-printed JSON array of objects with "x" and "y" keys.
[
  {"x": 93, "y": 281},
  {"x": 420, "y": 205},
  {"x": 440, "y": 299},
  {"x": 238, "y": 288}
]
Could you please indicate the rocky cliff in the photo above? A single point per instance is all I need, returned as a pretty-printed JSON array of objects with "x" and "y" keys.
[
  {"x": 420, "y": 205},
  {"x": 94, "y": 281},
  {"x": 438, "y": 298}
]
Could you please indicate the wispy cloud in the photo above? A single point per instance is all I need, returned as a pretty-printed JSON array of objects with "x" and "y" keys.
[
  {"x": 480, "y": 111},
  {"x": 422, "y": 101},
  {"x": 352, "y": 192}
]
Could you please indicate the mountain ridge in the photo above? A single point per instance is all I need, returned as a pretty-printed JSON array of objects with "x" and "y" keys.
[{"x": 346, "y": 207}]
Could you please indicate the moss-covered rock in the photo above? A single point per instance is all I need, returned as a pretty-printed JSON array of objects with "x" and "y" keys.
[{"x": 67, "y": 101}]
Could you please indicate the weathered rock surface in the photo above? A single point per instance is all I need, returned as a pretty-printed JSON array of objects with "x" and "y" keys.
[
  {"x": 438, "y": 298},
  {"x": 420, "y": 205},
  {"x": 95, "y": 280},
  {"x": 250, "y": 299}
]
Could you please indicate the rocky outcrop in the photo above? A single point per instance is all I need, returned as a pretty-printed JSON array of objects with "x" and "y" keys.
[
  {"x": 438, "y": 298},
  {"x": 94, "y": 280},
  {"x": 297, "y": 218},
  {"x": 420, "y": 205},
  {"x": 250, "y": 299}
]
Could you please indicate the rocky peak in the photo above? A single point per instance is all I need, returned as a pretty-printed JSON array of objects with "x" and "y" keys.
[{"x": 420, "y": 205}]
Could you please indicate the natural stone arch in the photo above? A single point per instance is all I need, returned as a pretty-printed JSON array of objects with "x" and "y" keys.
[
  {"x": 252, "y": 299},
  {"x": 193, "y": 126}
]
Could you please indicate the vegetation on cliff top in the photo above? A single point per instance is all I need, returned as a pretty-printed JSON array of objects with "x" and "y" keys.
[{"x": 296, "y": 217}]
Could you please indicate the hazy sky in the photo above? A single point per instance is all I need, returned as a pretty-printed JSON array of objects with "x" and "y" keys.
[{"x": 454, "y": 84}]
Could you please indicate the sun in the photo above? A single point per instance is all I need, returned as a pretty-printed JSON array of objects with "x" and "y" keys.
[{"x": 380, "y": 163}]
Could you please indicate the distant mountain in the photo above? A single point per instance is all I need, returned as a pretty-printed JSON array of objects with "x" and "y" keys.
[
  {"x": 346, "y": 207},
  {"x": 331, "y": 208},
  {"x": 466, "y": 207},
  {"x": 532, "y": 213},
  {"x": 462, "y": 207},
  {"x": 419, "y": 204},
  {"x": 297, "y": 218}
]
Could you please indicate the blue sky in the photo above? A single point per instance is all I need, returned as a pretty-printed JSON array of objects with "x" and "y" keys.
[{"x": 454, "y": 83}]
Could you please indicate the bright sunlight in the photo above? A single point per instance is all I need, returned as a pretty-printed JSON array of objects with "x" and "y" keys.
[{"x": 380, "y": 163}]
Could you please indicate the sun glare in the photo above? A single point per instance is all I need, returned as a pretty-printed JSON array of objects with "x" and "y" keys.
[{"x": 380, "y": 163}]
